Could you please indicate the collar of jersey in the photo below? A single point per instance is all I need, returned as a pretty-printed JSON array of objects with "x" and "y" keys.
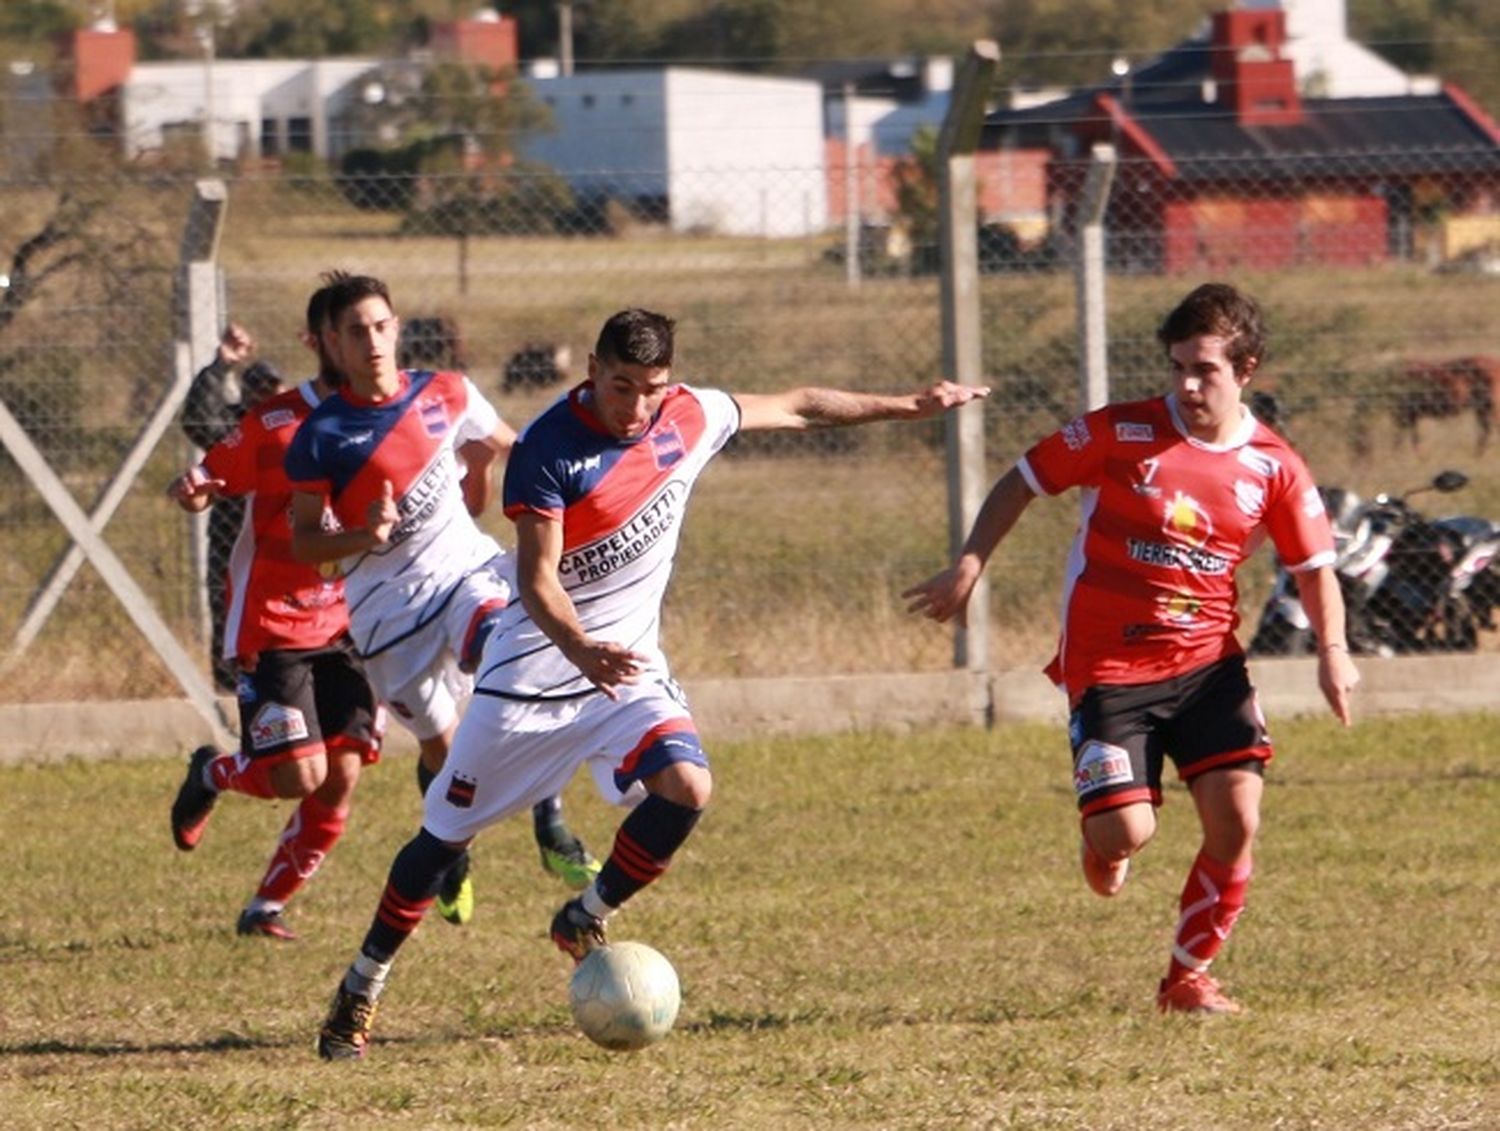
[
  {"x": 1240, "y": 438},
  {"x": 364, "y": 402}
]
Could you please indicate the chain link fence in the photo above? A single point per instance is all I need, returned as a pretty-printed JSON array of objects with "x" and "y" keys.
[{"x": 1384, "y": 369}]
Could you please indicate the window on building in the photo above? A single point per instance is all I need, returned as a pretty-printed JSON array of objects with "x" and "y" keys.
[
  {"x": 270, "y": 137},
  {"x": 299, "y": 138}
]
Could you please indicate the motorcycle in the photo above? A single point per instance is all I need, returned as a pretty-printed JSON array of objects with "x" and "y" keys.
[{"x": 1409, "y": 584}]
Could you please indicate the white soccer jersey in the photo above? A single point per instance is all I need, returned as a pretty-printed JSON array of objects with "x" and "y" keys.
[
  {"x": 348, "y": 448},
  {"x": 621, "y": 504}
]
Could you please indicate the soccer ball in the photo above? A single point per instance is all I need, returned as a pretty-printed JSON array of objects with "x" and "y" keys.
[{"x": 624, "y": 996}]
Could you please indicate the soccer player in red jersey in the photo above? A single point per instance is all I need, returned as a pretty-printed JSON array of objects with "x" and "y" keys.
[
  {"x": 1177, "y": 492},
  {"x": 308, "y": 717}
]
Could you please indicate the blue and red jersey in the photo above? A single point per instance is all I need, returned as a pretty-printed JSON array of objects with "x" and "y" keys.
[
  {"x": 350, "y": 448},
  {"x": 621, "y": 504}
]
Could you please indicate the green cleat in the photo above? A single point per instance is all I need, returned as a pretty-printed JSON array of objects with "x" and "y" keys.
[
  {"x": 455, "y": 899},
  {"x": 570, "y": 862}
]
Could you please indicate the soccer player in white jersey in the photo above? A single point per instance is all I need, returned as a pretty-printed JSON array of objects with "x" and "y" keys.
[
  {"x": 575, "y": 675},
  {"x": 425, "y": 585}
]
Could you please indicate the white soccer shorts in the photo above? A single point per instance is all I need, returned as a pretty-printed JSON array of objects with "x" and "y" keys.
[{"x": 509, "y": 755}]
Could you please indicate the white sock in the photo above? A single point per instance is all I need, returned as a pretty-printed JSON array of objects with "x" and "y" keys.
[
  {"x": 366, "y": 977},
  {"x": 594, "y": 904}
]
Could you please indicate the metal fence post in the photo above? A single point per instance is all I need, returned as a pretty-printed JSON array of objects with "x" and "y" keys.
[
  {"x": 851, "y": 194},
  {"x": 198, "y": 314},
  {"x": 1093, "y": 338},
  {"x": 962, "y": 360}
]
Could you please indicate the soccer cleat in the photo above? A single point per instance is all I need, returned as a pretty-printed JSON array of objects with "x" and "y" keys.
[
  {"x": 1194, "y": 992},
  {"x": 1104, "y": 878},
  {"x": 570, "y": 861},
  {"x": 576, "y": 932},
  {"x": 265, "y": 924},
  {"x": 194, "y": 802},
  {"x": 455, "y": 899},
  {"x": 346, "y": 1030}
]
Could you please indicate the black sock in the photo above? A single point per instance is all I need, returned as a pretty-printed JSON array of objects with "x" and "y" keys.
[
  {"x": 644, "y": 846},
  {"x": 413, "y": 882}
]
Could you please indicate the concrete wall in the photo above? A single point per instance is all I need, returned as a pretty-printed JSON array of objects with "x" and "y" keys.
[{"x": 742, "y": 708}]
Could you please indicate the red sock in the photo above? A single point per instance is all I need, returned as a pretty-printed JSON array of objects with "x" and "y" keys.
[
  {"x": 310, "y": 835},
  {"x": 238, "y": 774},
  {"x": 1212, "y": 900}
]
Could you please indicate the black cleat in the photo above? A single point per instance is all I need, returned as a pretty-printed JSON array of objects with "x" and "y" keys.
[
  {"x": 265, "y": 924},
  {"x": 576, "y": 932},
  {"x": 346, "y": 1030},
  {"x": 194, "y": 802}
]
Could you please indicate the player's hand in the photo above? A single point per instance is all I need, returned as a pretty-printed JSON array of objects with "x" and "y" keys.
[
  {"x": 1337, "y": 678},
  {"x": 945, "y": 595},
  {"x": 236, "y": 345},
  {"x": 382, "y": 515},
  {"x": 194, "y": 486},
  {"x": 946, "y": 395},
  {"x": 608, "y": 665}
]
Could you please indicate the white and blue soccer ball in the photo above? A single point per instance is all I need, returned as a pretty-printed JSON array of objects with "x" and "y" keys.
[{"x": 625, "y": 996}]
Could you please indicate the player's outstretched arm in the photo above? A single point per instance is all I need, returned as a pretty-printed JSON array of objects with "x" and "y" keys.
[
  {"x": 813, "y": 407},
  {"x": 606, "y": 665},
  {"x": 946, "y": 595},
  {"x": 1323, "y": 601}
]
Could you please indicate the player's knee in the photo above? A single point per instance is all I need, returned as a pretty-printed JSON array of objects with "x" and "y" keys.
[
  {"x": 1118, "y": 834},
  {"x": 343, "y": 776},
  {"x": 1230, "y": 834},
  {"x": 683, "y": 783},
  {"x": 299, "y": 777}
]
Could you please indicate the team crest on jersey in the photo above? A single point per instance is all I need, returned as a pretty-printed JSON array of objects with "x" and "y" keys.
[
  {"x": 461, "y": 791},
  {"x": 1128, "y": 432},
  {"x": 276, "y": 724},
  {"x": 667, "y": 446},
  {"x": 1187, "y": 521},
  {"x": 434, "y": 415},
  {"x": 1250, "y": 497}
]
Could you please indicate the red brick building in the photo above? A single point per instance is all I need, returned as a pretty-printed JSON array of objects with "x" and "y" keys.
[{"x": 1223, "y": 164}]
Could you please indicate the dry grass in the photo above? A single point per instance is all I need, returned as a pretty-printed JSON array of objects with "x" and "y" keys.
[{"x": 871, "y": 930}]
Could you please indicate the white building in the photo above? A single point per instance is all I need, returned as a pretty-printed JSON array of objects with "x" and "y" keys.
[
  {"x": 727, "y": 153},
  {"x": 1327, "y": 63},
  {"x": 257, "y": 107}
]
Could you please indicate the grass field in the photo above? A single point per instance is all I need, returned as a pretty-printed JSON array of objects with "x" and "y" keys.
[{"x": 872, "y": 931}]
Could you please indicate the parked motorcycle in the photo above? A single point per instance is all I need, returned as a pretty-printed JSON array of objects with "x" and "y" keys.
[{"x": 1410, "y": 584}]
